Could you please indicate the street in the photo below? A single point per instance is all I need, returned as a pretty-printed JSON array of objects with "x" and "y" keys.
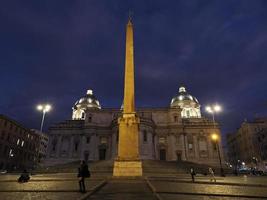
[{"x": 65, "y": 186}]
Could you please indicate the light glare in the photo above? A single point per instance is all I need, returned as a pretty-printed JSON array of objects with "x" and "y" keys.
[
  {"x": 217, "y": 108},
  {"x": 214, "y": 137},
  {"x": 209, "y": 109},
  {"x": 39, "y": 107}
]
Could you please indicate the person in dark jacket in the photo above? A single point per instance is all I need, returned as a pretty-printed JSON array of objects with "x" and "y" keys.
[
  {"x": 24, "y": 177},
  {"x": 83, "y": 172}
]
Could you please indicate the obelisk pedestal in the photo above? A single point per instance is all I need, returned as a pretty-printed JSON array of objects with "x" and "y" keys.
[{"x": 128, "y": 162}]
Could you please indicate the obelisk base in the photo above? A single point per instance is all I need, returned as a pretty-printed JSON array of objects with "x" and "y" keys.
[{"x": 127, "y": 168}]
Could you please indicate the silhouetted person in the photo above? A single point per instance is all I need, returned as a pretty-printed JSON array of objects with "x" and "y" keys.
[
  {"x": 193, "y": 173},
  {"x": 83, "y": 172},
  {"x": 24, "y": 177},
  {"x": 212, "y": 177}
]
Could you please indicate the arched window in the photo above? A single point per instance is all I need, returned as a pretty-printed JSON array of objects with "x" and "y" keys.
[
  {"x": 76, "y": 146},
  {"x": 83, "y": 115},
  {"x": 54, "y": 144},
  {"x": 90, "y": 118}
]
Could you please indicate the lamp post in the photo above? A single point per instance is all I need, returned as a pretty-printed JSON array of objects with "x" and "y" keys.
[
  {"x": 44, "y": 108},
  {"x": 213, "y": 110},
  {"x": 215, "y": 138}
]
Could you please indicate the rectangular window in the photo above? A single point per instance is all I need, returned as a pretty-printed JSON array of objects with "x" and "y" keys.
[
  {"x": 214, "y": 145},
  {"x": 190, "y": 146},
  {"x": 76, "y": 146},
  {"x": 88, "y": 139},
  {"x": 103, "y": 140},
  {"x": 145, "y": 136},
  {"x": 162, "y": 140}
]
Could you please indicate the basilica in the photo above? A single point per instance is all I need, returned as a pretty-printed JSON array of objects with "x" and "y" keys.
[{"x": 176, "y": 132}]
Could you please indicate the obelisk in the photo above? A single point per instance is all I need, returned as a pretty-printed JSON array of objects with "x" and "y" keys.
[{"x": 128, "y": 162}]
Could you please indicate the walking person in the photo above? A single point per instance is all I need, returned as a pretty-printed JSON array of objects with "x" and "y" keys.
[
  {"x": 212, "y": 177},
  {"x": 193, "y": 173},
  {"x": 83, "y": 172}
]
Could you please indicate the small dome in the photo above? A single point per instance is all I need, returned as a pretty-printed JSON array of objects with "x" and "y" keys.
[
  {"x": 182, "y": 97},
  {"x": 188, "y": 103},
  {"x": 88, "y": 101}
]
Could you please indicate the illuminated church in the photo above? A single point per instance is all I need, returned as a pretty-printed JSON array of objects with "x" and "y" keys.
[{"x": 177, "y": 132}]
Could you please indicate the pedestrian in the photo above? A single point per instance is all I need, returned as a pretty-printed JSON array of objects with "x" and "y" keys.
[
  {"x": 83, "y": 172},
  {"x": 24, "y": 177},
  {"x": 212, "y": 177},
  {"x": 193, "y": 173}
]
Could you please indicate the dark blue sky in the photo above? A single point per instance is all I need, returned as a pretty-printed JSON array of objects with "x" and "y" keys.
[{"x": 53, "y": 51}]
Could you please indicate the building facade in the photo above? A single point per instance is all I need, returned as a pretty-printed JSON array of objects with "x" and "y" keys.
[
  {"x": 177, "y": 132},
  {"x": 18, "y": 145},
  {"x": 249, "y": 143},
  {"x": 43, "y": 145}
]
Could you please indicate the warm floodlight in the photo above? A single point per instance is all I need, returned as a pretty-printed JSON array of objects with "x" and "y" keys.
[{"x": 214, "y": 137}]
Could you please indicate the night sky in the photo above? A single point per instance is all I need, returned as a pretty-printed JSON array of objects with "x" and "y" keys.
[{"x": 53, "y": 51}]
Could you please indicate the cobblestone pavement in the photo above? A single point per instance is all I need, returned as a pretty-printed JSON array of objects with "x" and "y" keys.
[
  {"x": 39, "y": 195},
  {"x": 124, "y": 190},
  {"x": 225, "y": 188},
  {"x": 197, "y": 197},
  {"x": 65, "y": 186},
  {"x": 47, "y": 187}
]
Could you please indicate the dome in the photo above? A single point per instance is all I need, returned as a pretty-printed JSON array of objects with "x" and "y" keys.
[
  {"x": 89, "y": 101},
  {"x": 182, "y": 96},
  {"x": 188, "y": 103}
]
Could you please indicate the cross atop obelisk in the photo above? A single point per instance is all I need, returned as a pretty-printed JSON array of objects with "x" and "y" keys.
[{"x": 128, "y": 160}]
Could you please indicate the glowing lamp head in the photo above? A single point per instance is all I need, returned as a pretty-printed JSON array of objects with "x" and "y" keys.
[
  {"x": 39, "y": 107},
  {"x": 217, "y": 108},
  {"x": 47, "y": 108},
  {"x": 44, "y": 108},
  {"x": 214, "y": 137},
  {"x": 209, "y": 109}
]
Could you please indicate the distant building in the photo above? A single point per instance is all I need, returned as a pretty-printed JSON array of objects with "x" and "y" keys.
[
  {"x": 249, "y": 143},
  {"x": 18, "y": 145},
  {"x": 43, "y": 145},
  {"x": 176, "y": 132}
]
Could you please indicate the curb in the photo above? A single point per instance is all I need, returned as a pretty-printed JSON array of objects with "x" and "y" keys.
[
  {"x": 153, "y": 189},
  {"x": 210, "y": 183},
  {"x": 94, "y": 190},
  {"x": 44, "y": 180},
  {"x": 216, "y": 195},
  {"x": 39, "y": 191}
]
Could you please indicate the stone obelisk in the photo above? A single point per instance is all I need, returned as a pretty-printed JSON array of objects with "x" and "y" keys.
[{"x": 128, "y": 162}]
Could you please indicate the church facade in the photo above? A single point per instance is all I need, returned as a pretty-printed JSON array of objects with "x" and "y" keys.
[{"x": 176, "y": 132}]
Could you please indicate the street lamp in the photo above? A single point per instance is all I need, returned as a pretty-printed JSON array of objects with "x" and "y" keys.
[
  {"x": 212, "y": 110},
  {"x": 44, "y": 108},
  {"x": 215, "y": 138}
]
